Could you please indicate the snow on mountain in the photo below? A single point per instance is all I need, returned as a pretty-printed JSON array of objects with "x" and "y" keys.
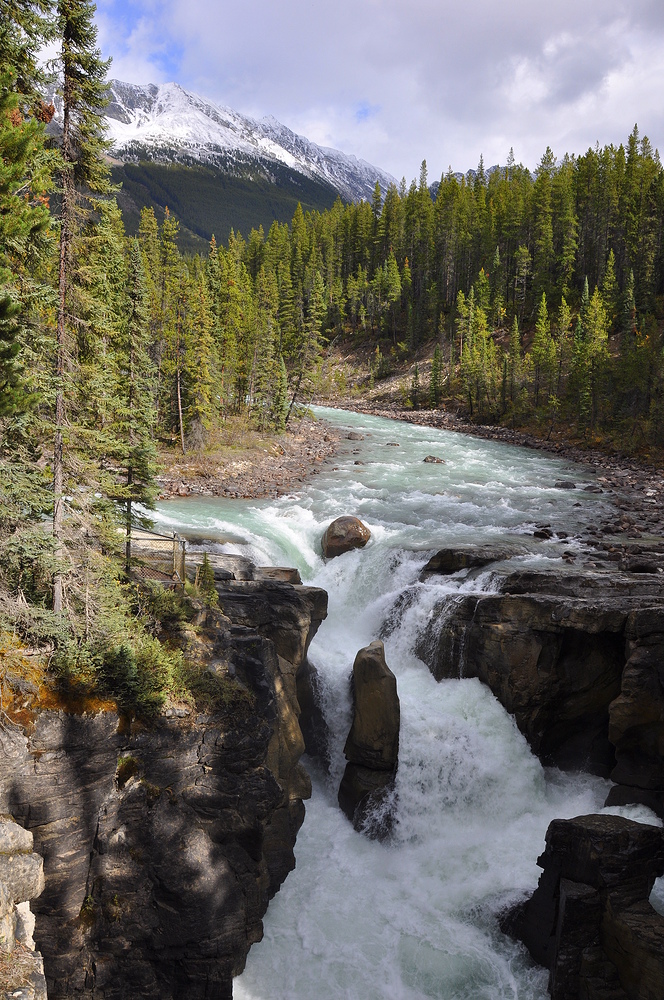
[{"x": 166, "y": 122}]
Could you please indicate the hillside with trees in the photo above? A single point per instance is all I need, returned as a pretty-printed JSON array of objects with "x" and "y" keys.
[{"x": 531, "y": 299}]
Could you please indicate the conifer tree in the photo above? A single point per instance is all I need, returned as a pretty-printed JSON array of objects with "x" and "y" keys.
[
  {"x": 307, "y": 362},
  {"x": 279, "y": 402},
  {"x": 435, "y": 383},
  {"x": 515, "y": 362},
  {"x": 83, "y": 175},
  {"x": 133, "y": 398},
  {"x": 543, "y": 351},
  {"x": 24, "y": 177}
]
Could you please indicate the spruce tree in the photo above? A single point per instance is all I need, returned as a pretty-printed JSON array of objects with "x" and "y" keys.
[
  {"x": 83, "y": 175},
  {"x": 24, "y": 177},
  {"x": 435, "y": 383},
  {"x": 133, "y": 399}
]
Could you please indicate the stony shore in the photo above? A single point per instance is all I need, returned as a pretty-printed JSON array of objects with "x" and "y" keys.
[{"x": 256, "y": 473}]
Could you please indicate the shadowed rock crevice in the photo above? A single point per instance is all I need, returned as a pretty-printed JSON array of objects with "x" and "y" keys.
[{"x": 576, "y": 659}]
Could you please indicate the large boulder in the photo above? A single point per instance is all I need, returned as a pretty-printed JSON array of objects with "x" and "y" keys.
[
  {"x": 344, "y": 534},
  {"x": 373, "y": 740},
  {"x": 589, "y": 920},
  {"x": 372, "y": 747}
]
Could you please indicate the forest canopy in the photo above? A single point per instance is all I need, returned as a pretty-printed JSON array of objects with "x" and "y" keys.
[{"x": 535, "y": 298}]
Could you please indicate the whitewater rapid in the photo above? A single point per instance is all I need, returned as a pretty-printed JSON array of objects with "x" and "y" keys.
[{"x": 415, "y": 917}]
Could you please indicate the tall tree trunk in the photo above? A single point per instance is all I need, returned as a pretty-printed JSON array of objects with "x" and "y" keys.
[
  {"x": 58, "y": 446},
  {"x": 128, "y": 526},
  {"x": 180, "y": 409}
]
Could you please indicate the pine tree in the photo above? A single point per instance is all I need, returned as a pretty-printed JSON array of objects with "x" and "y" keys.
[
  {"x": 435, "y": 383},
  {"x": 83, "y": 75},
  {"x": 24, "y": 177},
  {"x": 307, "y": 362},
  {"x": 414, "y": 394},
  {"x": 515, "y": 362},
  {"x": 279, "y": 406},
  {"x": 133, "y": 398},
  {"x": 543, "y": 351}
]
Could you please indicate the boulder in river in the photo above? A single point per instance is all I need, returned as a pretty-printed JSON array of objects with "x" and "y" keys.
[
  {"x": 372, "y": 747},
  {"x": 434, "y": 460},
  {"x": 451, "y": 560},
  {"x": 344, "y": 534}
]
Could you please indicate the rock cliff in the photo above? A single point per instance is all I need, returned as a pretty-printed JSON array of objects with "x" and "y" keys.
[
  {"x": 21, "y": 879},
  {"x": 163, "y": 844},
  {"x": 577, "y": 660},
  {"x": 589, "y": 920}
]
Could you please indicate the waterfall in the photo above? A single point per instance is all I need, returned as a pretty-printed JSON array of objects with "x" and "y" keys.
[{"x": 414, "y": 917}]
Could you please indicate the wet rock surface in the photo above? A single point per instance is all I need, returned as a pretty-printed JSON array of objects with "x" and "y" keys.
[
  {"x": 589, "y": 920},
  {"x": 162, "y": 845},
  {"x": 453, "y": 559},
  {"x": 372, "y": 747},
  {"x": 576, "y": 658},
  {"x": 343, "y": 534}
]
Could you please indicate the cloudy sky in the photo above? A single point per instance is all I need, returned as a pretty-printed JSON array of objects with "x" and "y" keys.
[{"x": 396, "y": 82}]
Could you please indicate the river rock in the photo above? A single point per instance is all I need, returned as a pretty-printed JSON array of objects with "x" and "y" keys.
[
  {"x": 434, "y": 460},
  {"x": 372, "y": 747},
  {"x": 589, "y": 920},
  {"x": 451, "y": 560},
  {"x": 564, "y": 484},
  {"x": 344, "y": 534}
]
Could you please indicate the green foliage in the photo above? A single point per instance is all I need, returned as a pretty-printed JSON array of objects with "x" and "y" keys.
[
  {"x": 436, "y": 380},
  {"x": 140, "y": 675},
  {"x": 206, "y": 583}
]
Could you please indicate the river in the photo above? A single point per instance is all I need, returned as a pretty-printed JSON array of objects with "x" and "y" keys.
[{"x": 415, "y": 917}]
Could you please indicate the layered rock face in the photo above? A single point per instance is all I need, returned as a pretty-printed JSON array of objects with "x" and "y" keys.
[
  {"x": 577, "y": 661},
  {"x": 163, "y": 845},
  {"x": 21, "y": 879},
  {"x": 372, "y": 747},
  {"x": 589, "y": 920},
  {"x": 636, "y": 717}
]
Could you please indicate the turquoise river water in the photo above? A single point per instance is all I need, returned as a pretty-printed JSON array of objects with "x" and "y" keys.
[{"x": 413, "y": 918}]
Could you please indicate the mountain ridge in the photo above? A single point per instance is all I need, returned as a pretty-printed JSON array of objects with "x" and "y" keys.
[{"x": 166, "y": 123}]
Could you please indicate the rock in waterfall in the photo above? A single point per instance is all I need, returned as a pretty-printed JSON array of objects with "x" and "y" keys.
[{"x": 372, "y": 747}]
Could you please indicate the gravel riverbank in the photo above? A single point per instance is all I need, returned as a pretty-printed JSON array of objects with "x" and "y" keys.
[{"x": 257, "y": 472}]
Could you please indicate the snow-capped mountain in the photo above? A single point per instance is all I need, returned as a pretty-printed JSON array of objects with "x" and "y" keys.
[{"x": 167, "y": 123}]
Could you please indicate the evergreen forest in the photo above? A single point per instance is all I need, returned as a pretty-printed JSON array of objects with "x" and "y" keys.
[{"x": 536, "y": 299}]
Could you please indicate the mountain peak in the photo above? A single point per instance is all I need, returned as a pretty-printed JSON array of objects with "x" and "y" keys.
[{"x": 168, "y": 123}]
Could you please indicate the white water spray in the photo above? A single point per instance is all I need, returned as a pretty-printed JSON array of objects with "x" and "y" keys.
[{"x": 415, "y": 917}]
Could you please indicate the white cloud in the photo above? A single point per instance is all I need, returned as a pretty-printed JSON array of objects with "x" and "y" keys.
[{"x": 440, "y": 81}]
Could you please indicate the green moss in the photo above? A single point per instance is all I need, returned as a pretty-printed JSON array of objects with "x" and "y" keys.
[{"x": 127, "y": 767}]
